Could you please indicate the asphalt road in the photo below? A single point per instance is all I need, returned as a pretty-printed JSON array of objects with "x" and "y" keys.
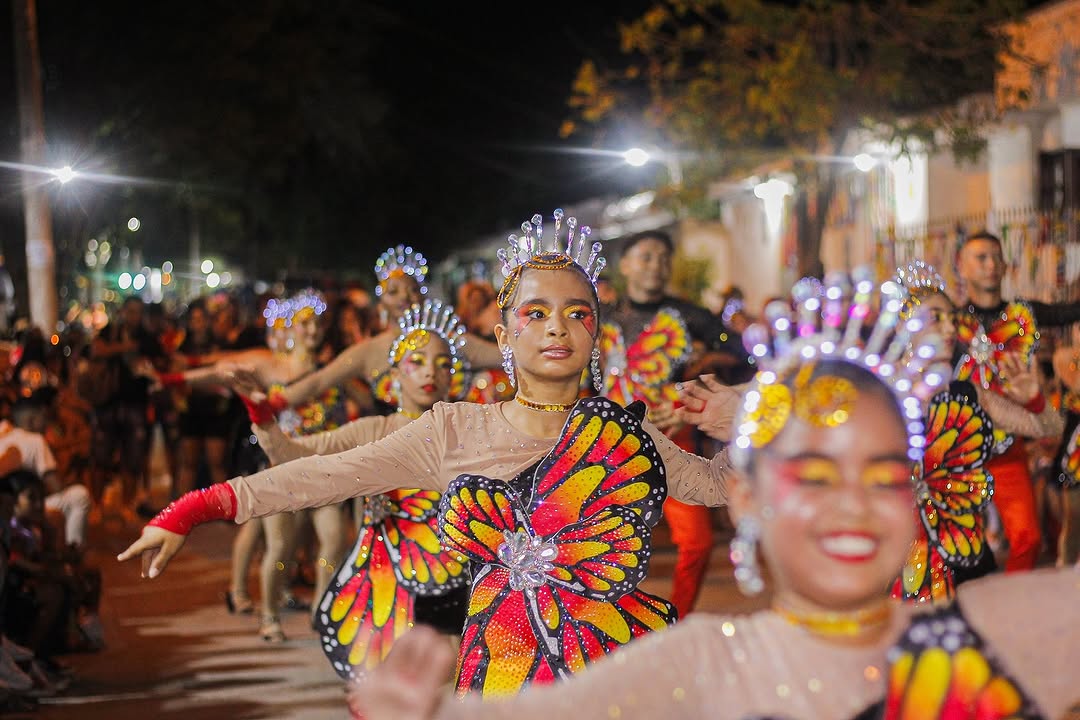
[{"x": 174, "y": 652}]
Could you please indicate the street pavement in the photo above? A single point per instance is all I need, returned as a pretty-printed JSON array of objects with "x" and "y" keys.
[{"x": 173, "y": 651}]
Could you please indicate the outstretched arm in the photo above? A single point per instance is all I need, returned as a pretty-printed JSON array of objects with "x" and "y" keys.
[
  {"x": 356, "y": 361},
  {"x": 481, "y": 353},
  {"x": 711, "y": 406},
  {"x": 280, "y": 448}
]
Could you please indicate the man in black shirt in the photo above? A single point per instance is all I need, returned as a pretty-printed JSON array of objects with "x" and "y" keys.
[
  {"x": 981, "y": 265},
  {"x": 646, "y": 266}
]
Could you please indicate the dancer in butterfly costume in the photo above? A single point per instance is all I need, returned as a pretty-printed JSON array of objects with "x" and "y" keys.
[
  {"x": 988, "y": 328},
  {"x": 401, "y": 272},
  {"x": 824, "y": 441},
  {"x": 965, "y": 423},
  {"x": 547, "y": 336},
  {"x": 294, "y": 335},
  {"x": 396, "y": 572}
]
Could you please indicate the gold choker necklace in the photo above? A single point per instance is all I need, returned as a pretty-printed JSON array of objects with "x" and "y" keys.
[
  {"x": 545, "y": 407},
  {"x": 838, "y": 623},
  {"x": 410, "y": 415}
]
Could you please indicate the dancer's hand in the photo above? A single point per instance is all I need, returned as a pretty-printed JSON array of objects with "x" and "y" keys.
[
  {"x": 1019, "y": 377},
  {"x": 409, "y": 685},
  {"x": 244, "y": 380},
  {"x": 156, "y": 546},
  {"x": 710, "y": 405},
  {"x": 664, "y": 417}
]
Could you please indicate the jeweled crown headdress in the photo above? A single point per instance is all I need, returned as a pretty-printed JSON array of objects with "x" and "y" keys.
[
  {"x": 419, "y": 321},
  {"x": 401, "y": 261},
  {"x": 920, "y": 280},
  {"x": 834, "y": 325},
  {"x": 528, "y": 251},
  {"x": 282, "y": 312}
]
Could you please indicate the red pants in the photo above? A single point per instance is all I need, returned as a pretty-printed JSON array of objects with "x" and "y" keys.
[
  {"x": 691, "y": 531},
  {"x": 1015, "y": 500}
]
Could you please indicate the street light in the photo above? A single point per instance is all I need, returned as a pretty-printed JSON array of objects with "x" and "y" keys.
[
  {"x": 636, "y": 156},
  {"x": 207, "y": 266},
  {"x": 65, "y": 174},
  {"x": 864, "y": 162}
]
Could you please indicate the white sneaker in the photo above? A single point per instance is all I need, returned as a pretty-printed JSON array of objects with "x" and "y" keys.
[
  {"x": 17, "y": 652},
  {"x": 12, "y": 676}
]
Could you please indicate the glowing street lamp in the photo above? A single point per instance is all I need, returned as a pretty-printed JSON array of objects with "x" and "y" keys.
[
  {"x": 207, "y": 266},
  {"x": 65, "y": 174},
  {"x": 864, "y": 162},
  {"x": 636, "y": 157}
]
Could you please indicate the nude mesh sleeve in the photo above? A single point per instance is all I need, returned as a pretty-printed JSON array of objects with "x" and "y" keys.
[
  {"x": 1015, "y": 419},
  {"x": 403, "y": 458}
]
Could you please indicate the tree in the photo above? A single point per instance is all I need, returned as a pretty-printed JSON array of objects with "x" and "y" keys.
[
  {"x": 740, "y": 83},
  {"x": 262, "y": 116}
]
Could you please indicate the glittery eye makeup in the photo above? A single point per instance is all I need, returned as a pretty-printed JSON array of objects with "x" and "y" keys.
[
  {"x": 821, "y": 473},
  {"x": 584, "y": 314},
  {"x": 889, "y": 475},
  {"x": 526, "y": 313}
]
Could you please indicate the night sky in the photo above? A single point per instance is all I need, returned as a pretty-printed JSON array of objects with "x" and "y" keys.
[{"x": 344, "y": 127}]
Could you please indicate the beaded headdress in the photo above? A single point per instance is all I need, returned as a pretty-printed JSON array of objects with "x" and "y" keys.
[
  {"x": 834, "y": 325},
  {"x": 401, "y": 261},
  {"x": 282, "y": 312},
  {"x": 528, "y": 251},
  {"x": 420, "y": 321},
  {"x": 920, "y": 280}
]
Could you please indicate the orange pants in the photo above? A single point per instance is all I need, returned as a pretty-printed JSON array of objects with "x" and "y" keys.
[
  {"x": 1015, "y": 500},
  {"x": 691, "y": 531}
]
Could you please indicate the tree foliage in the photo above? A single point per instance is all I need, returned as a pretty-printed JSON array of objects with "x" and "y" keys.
[
  {"x": 261, "y": 115},
  {"x": 740, "y": 83}
]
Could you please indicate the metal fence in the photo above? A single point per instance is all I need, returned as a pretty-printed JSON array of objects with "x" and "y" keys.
[{"x": 1042, "y": 250}]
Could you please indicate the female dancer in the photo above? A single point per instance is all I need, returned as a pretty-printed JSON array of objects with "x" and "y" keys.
[
  {"x": 401, "y": 272},
  {"x": 294, "y": 327},
  {"x": 824, "y": 445},
  {"x": 962, "y": 422},
  {"x": 396, "y": 573},
  {"x": 586, "y": 505}
]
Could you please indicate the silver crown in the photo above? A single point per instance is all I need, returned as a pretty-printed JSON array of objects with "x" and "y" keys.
[
  {"x": 283, "y": 310},
  {"x": 404, "y": 260},
  {"x": 530, "y": 245},
  {"x": 435, "y": 317},
  {"x": 831, "y": 325},
  {"x": 919, "y": 278}
]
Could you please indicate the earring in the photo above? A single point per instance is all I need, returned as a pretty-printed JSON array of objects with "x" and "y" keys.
[
  {"x": 744, "y": 556},
  {"x": 594, "y": 366},
  {"x": 508, "y": 363}
]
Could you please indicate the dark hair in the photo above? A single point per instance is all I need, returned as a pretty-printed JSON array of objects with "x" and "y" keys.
[
  {"x": 658, "y": 235},
  {"x": 14, "y": 483},
  {"x": 983, "y": 234}
]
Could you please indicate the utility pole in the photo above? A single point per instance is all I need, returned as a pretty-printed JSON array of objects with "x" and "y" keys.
[{"x": 40, "y": 255}]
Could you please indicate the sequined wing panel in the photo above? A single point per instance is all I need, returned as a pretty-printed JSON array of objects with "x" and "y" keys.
[
  {"x": 1069, "y": 464},
  {"x": 603, "y": 459},
  {"x": 952, "y": 481},
  {"x": 925, "y": 577},
  {"x": 557, "y": 588},
  {"x": 364, "y": 609},
  {"x": 645, "y": 368},
  {"x": 941, "y": 669},
  {"x": 1013, "y": 331},
  {"x": 411, "y": 534}
]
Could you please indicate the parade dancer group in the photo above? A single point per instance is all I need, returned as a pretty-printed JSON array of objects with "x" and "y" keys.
[{"x": 854, "y": 465}]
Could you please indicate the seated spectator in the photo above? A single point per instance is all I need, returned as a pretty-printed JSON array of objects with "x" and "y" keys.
[
  {"x": 49, "y": 596},
  {"x": 66, "y": 497}
]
